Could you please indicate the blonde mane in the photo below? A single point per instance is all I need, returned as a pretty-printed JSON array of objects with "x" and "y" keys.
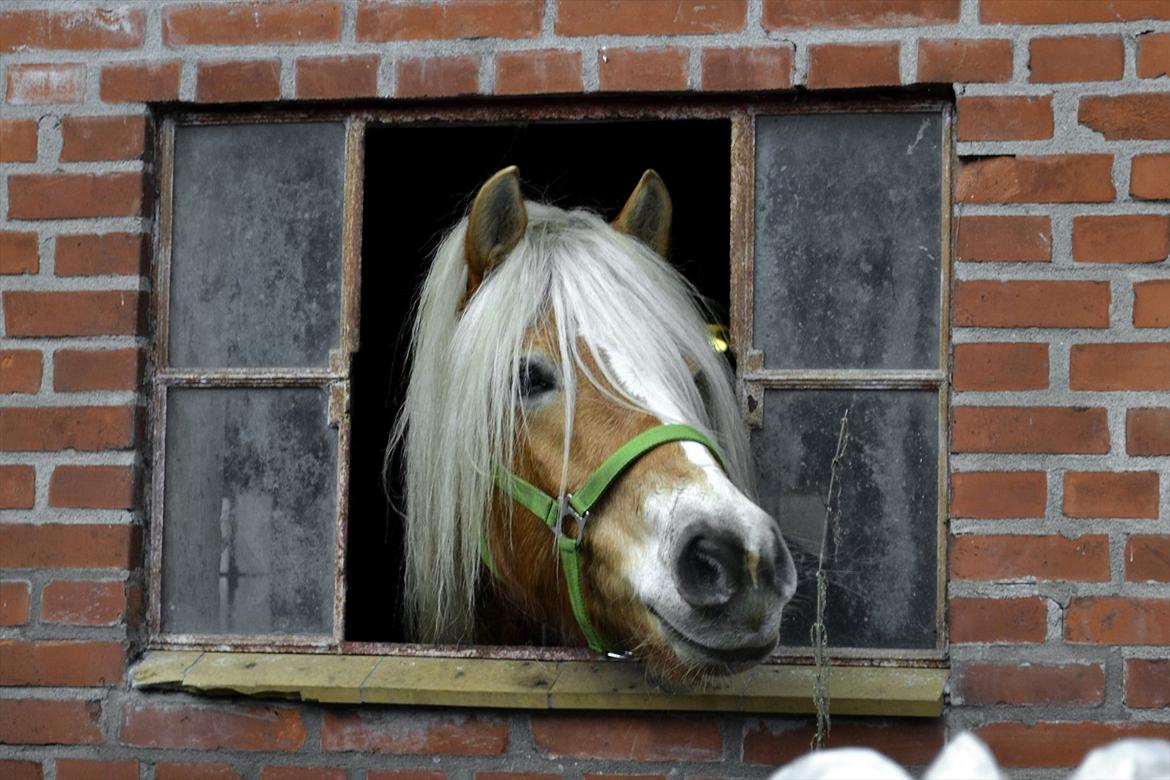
[{"x": 606, "y": 292}]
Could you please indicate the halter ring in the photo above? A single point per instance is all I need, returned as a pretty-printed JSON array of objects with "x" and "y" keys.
[{"x": 572, "y": 513}]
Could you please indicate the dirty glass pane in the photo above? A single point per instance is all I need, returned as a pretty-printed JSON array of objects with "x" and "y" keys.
[
  {"x": 847, "y": 240},
  {"x": 250, "y": 516},
  {"x": 256, "y": 250},
  {"x": 882, "y": 559}
]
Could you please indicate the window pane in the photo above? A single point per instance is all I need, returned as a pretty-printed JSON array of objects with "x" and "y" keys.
[
  {"x": 848, "y": 236},
  {"x": 883, "y": 559},
  {"x": 249, "y": 528},
  {"x": 256, "y": 247}
]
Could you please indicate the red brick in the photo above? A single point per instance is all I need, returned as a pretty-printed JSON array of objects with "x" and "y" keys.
[
  {"x": 1076, "y": 58},
  {"x": 1153, "y": 56},
  {"x": 68, "y": 546},
  {"x": 98, "y": 28},
  {"x": 1121, "y": 117},
  {"x": 76, "y": 195},
  {"x": 83, "y": 602},
  {"x": 249, "y": 24},
  {"x": 1057, "y": 178},
  {"x": 1031, "y": 304},
  {"x": 405, "y": 732},
  {"x": 736, "y": 70},
  {"x": 643, "y": 70},
  {"x": 649, "y": 17},
  {"x": 999, "y": 494},
  {"x": 1058, "y": 744},
  {"x": 1004, "y": 239},
  {"x": 326, "y": 78},
  {"x": 1028, "y": 558},
  {"x": 1126, "y": 238},
  {"x": 536, "y": 72},
  {"x": 438, "y": 76},
  {"x": 1029, "y": 683},
  {"x": 140, "y": 82},
  {"x": 1009, "y": 118},
  {"x": 14, "y": 601},
  {"x": 1147, "y": 682},
  {"x": 103, "y": 138},
  {"x": 628, "y": 737},
  {"x": 301, "y": 773},
  {"x": 414, "y": 21},
  {"x": 60, "y": 663},
  {"x": 18, "y": 140},
  {"x": 31, "y": 313},
  {"x": 962, "y": 60},
  {"x": 170, "y": 770},
  {"x": 52, "y": 428},
  {"x": 1036, "y": 429},
  {"x": 1118, "y": 621},
  {"x": 20, "y": 370},
  {"x": 406, "y": 774},
  {"x": 1149, "y": 177},
  {"x": 1147, "y": 558},
  {"x": 1151, "y": 304},
  {"x": 17, "y": 487},
  {"x": 817, "y": 14},
  {"x": 101, "y": 254},
  {"x": 997, "y": 620},
  {"x": 92, "y": 487},
  {"x": 1131, "y": 494},
  {"x": 1000, "y": 367},
  {"x": 1147, "y": 432},
  {"x": 13, "y": 769},
  {"x": 213, "y": 727},
  {"x": 18, "y": 253},
  {"x": 1057, "y": 12},
  {"x": 76, "y": 370},
  {"x": 37, "y": 722},
  {"x": 37, "y": 84},
  {"x": 1120, "y": 366},
  {"x": 911, "y": 741},
  {"x": 237, "y": 81},
  {"x": 841, "y": 65},
  {"x": 84, "y": 769}
]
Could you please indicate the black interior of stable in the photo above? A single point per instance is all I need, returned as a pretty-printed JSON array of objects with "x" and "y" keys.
[{"x": 419, "y": 180}]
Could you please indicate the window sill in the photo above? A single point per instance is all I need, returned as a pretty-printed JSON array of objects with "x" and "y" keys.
[{"x": 534, "y": 684}]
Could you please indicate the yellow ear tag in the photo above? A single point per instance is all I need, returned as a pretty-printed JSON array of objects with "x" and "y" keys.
[{"x": 717, "y": 335}]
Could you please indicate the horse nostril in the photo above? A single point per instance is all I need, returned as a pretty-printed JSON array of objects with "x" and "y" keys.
[{"x": 709, "y": 570}]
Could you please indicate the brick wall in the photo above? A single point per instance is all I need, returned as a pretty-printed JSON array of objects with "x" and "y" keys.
[{"x": 1060, "y": 544}]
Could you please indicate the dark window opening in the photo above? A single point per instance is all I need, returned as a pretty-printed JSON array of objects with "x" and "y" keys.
[{"x": 419, "y": 181}]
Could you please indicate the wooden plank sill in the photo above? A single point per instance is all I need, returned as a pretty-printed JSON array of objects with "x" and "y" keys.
[{"x": 534, "y": 684}]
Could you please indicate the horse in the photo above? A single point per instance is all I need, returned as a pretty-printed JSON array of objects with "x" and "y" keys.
[{"x": 576, "y": 467}]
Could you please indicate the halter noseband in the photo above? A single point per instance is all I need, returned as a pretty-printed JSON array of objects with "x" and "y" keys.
[{"x": 577, "y": 505}]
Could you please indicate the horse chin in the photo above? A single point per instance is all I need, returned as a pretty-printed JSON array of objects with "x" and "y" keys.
[{"x": 679, "y": 661}]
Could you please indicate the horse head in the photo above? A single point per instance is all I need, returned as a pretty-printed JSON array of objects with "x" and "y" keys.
[{"x": 575, "y": 456}]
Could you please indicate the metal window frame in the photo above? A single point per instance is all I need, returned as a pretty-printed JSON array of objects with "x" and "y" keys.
[
  {"x": 334, "y": 380},
  {"x": 741, "y": 111}
]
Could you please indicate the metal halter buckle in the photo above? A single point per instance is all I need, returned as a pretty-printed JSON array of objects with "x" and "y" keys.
[{"x": 572, "y": 513}]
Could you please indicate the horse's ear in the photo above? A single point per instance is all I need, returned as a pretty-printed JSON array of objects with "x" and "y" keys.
[
  {"x": 646, "y": 215},
  {"x": 497, "y": 223}
]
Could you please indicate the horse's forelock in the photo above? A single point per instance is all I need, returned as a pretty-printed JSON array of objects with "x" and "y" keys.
[{"x": 602, "y": 289}]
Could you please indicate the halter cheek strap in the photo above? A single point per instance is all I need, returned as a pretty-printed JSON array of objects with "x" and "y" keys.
[{"x": 577, "y": 506}]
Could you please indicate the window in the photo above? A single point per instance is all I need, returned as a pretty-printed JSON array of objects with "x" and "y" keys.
[{"x": 290, "y": 248}]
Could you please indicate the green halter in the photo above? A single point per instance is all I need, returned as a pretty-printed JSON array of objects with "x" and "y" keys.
[{"x": 578, "y": 504}]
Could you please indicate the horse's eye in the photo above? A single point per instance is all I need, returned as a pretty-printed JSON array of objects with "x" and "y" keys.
[
  {"x": 700, "y": 380},
  {"x": 535, "y": 378}
]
